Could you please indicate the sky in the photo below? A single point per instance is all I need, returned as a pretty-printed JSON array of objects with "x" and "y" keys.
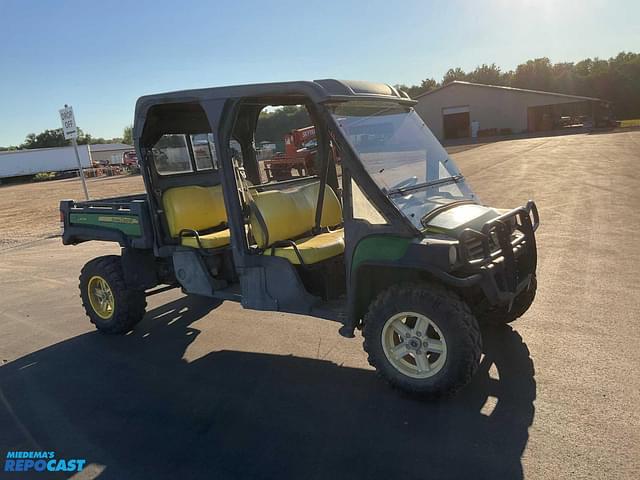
[{"x": 100, "y": 56}]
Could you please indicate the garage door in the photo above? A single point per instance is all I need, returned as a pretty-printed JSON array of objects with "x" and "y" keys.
[{"x": 456, "y": 122}]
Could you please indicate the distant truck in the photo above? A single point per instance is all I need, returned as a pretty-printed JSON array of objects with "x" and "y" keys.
[
  {"x": 22, "y": 163},
  {"x": 130, "y": 159},
  {"x": 300, "y": 147}
]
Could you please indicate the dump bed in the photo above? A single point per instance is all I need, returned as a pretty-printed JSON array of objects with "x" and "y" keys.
[{"x": 124, "y": 220}]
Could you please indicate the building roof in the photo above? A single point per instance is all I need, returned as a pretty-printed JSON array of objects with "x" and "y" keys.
[
  {"x": 98, "y": 147},
  {"x": 105, "y": 147},
  {"x": 511, "y": 89},
  {"x": 36, "y": 150}
]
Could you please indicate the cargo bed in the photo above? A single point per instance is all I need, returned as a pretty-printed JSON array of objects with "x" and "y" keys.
[{"x": 124, "y": 220}]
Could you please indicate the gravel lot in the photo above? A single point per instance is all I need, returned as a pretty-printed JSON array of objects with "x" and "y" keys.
[
  {"x": 29, "y": 211},
  {"x": 202, "y": 390}
]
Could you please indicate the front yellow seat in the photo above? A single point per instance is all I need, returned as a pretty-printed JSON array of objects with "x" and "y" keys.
[
  {"x": 281, "y": 221},
  {"x": 312, "y": 249},
  {"x": 194, "y": 208}
]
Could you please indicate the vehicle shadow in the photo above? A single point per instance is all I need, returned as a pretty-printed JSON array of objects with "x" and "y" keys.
[{"x": 133, "y": 405}]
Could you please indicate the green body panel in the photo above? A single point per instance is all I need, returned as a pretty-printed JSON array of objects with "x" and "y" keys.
[
  {"x": 127, "y": 224},
  {"x": 380, "y": 247}
]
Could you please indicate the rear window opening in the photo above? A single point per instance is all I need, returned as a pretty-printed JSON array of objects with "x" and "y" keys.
[{"x": 178, "y": 153}]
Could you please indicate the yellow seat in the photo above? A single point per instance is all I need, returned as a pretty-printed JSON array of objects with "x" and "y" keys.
[
  {"x": 312, "y": 249},
  {"x": 196, "y": 208},
  {"x": 210, "y": 240},
  {"x": 289, "y": 215}
]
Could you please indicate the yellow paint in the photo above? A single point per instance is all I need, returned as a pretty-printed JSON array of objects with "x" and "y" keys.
[{"x": 101, "y": 297}]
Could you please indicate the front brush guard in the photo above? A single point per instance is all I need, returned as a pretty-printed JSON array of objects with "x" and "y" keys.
[{"x": 507, "y": 270}]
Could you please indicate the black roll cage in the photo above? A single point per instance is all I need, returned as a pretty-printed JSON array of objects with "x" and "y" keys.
[
  {"x": 267, "y": 282},
  {"x": 216, "y": 111}
]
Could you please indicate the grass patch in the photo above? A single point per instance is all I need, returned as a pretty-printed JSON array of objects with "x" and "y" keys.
[
  {"x": 630, "y": 123},
  {"x": 44, "y": 176}
]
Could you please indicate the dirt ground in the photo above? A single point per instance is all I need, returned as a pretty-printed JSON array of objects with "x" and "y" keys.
[{"x": 30, "y": 211}]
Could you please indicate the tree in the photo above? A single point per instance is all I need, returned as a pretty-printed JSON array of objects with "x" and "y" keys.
[
  {"x": 453, "y": 74},
  {"x": 46, "y": 139},
  {"x": 488, "y": 75},
  {"x": 616, "y": 79},
  {"x": 55, "y": 138},
  {"x": 414, "y": 90},
  {"x": 536, "y": 74},
  {"x": 273, "y": 125},
  {"x": 127, "y": 135}
]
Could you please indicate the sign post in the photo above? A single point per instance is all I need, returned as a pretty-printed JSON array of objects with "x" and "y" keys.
[{"x": 71, "y": 133}]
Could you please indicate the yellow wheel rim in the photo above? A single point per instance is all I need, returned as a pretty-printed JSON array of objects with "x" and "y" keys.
[
  {"x": 414, "y": 345},
  {"x": 101, "y": 297}
]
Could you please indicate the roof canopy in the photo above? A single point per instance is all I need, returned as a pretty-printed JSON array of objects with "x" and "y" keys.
[{"x": 317, "y": 91}]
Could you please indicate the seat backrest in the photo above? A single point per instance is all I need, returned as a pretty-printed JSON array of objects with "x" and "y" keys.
[
  {"x": 331, "y": 208},
  {"x": 288, "y": 214},
  {"x": 193, "y": 207}
]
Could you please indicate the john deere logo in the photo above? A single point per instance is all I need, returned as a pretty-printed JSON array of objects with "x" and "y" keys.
[{"x": 127, "y": 220}]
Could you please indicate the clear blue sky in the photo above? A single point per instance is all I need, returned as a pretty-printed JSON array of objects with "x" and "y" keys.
[{"x": 101, "y": 56}]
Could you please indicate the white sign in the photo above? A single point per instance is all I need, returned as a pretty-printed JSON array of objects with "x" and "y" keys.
[{"x": 68, "y": 123}]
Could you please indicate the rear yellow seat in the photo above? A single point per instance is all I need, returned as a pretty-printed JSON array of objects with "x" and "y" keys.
[
  {"x": 196, "y": 208},
  {"x": 289, "y": 215}
]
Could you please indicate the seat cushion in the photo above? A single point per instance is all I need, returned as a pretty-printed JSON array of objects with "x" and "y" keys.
[
  {"x": 312, "y": 249},
  {"x": 331, "y": 208},
  {"x": 210, "y": 240},
  {"x": 284, "y": 217},
  {"x": 291, "y": 213},
  {"x": 194, "y": 208}
]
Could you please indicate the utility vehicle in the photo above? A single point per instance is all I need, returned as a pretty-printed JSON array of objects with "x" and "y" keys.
[{"x": 393, "y": 242}]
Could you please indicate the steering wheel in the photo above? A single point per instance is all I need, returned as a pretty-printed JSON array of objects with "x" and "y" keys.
[{"x": 405, "y": 183}]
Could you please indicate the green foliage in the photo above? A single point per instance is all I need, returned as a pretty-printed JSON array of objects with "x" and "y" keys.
[
  {"x": 489, "y": 75},
  {"x": 616, "y": 80},
  {"x": 55, "y": 138},
  {"x": 535, "y": 74},
  {"x": 274, "y": 124},
  {"x": 426, "y": 85},
  {"x": 453, "y": 74},
  {"x": 48, "y": 138},
  {"x": 127, "y": 135},
  {"x": 44, "y": 176}
]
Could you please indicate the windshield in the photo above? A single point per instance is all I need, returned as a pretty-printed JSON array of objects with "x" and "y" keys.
[{"x": 402, "y": 156}]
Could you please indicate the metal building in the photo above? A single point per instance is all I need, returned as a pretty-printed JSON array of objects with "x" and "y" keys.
[
  {"x": 464, "y": 109},
  {"x": 109, "y": 153}
]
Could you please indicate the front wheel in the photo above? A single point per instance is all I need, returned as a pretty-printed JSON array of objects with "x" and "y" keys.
[
  {"x": 422, "y": 339},
  {"x": 110, "y": 305}
]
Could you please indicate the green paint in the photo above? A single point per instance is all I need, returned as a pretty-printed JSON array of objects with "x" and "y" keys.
[
  {"x": 127, "y": 224},
  {"x": 380, "y": 247}
]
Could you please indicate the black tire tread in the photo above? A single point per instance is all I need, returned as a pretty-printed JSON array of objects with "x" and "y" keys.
[
  {"x": 450, "y": 304},
  {"x": 130, "y": 303}
]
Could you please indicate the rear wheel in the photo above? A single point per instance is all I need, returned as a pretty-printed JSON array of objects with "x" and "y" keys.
[
  {"x": 110, "y": 305},
  {"x": 422, "y": 339}
]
